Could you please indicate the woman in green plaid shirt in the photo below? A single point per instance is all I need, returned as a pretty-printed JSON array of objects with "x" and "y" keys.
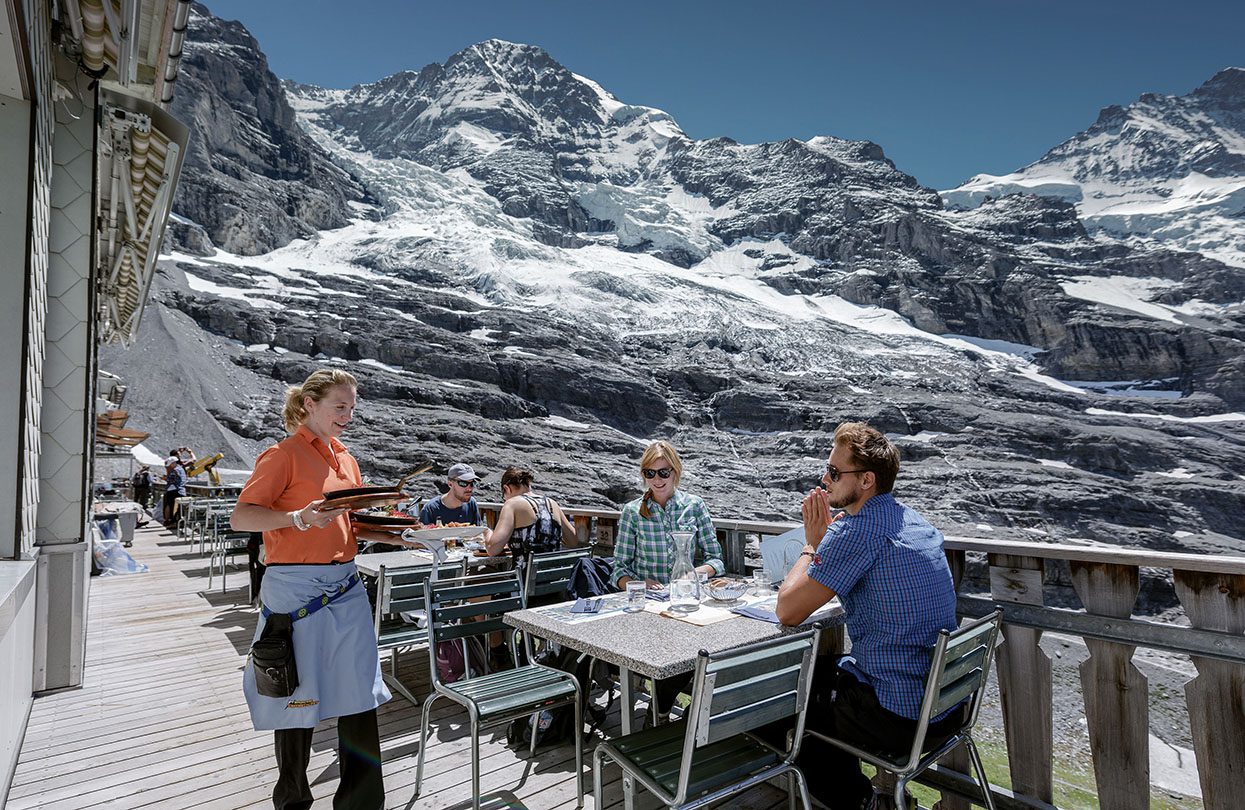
[{"x": 644, "y": 548}]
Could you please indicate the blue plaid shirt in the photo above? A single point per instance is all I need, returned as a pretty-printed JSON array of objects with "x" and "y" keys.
[{"x": 887, "y": 565}]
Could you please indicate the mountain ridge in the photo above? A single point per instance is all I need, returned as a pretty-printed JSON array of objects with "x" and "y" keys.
[{"x": 557, "y": 289}]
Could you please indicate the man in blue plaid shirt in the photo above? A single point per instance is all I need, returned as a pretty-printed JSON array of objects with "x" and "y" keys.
[{"x": 886, "y": 564}]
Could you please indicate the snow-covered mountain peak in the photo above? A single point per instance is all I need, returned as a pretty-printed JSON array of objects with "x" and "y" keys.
[
  {"x": 1165, "y": 168},
  {"x": 1227, "y": 86}
]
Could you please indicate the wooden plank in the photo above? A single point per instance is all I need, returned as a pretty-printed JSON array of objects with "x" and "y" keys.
[
  {"x": 1116, "y": 693},
  {"x": 1216, "y": 697},
  {"x": 1024, "y": 673},
  {"x": 1114, "y": 555}
]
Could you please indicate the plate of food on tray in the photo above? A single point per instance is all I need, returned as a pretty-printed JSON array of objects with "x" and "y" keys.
[{"x": 456, "y": 530}]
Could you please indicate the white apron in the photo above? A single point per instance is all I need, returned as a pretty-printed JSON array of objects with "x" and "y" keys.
[{"x": 334, "y": 650}]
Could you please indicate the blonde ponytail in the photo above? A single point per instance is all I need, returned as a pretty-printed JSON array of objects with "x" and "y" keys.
[{"x": 315, "y": 386}]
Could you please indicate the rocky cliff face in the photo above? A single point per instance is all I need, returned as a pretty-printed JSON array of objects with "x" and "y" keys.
[
  {"x": 252, "y": 179},
  {"x": 551, "y": 277}
]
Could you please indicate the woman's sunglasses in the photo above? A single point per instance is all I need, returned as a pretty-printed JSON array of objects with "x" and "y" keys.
[{"x": 664, "y": 472}]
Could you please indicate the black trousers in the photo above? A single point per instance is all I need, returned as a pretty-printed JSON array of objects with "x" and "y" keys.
[
  {"x": 847, "y": 709},
  {"x": 358, "y": 755}
]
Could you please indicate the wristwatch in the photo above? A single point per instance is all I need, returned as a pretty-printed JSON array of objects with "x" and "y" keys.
[{"x": 299, "y": 523}]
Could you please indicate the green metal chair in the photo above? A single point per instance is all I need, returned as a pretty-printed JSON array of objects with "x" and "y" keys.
[
  {"x": 492, "y": 698},
  {"x": 711, "y": 754},
  {"x": 549, "y": 572},
  {"x": 400, "y": 589},
  {"x": 959, "y": 670}
]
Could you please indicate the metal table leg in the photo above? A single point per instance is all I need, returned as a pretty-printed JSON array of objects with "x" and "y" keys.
[{"x": 627, "y": 710}]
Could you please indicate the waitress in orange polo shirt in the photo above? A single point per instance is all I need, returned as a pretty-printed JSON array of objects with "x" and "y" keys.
[{"x": 311, "y": 576}]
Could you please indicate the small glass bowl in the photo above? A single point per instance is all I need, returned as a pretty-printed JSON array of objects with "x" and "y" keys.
[{"x": 727, "y": 590}]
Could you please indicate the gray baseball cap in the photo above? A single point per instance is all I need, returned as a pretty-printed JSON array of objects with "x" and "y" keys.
[{"x": 462, "y": 472}]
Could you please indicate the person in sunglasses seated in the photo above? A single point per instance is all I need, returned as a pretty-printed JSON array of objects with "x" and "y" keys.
[
  {"x": 644, "y": 548},
  {"x": 887, "y": 566},
  {"x": 458, "y": 504}
]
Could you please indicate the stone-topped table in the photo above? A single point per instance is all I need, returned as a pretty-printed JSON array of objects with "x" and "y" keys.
[{"x": 648, "y": 643}]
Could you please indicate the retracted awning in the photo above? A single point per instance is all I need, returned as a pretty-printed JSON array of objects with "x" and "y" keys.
[
  {"x": 140, "y": 153},
  {"x": 133, "y": 48}
]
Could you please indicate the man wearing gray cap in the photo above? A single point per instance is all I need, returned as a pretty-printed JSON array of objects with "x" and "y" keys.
[{"x": 458, "y": 504}]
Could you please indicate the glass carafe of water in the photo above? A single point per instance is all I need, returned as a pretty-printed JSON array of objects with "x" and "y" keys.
[{"x": 684, "y": 583}]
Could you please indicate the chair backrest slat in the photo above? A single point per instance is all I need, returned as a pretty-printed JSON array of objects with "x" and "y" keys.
[
  {"x": 550, "y": 571},
  {"x": 742, "y": 693},
  {"x": 448, "y": 632},
  {"x": 970, "y": 637},
  {"x": 749, "y": 665},
  {"x": 749, "y": 716},
  {"x": 470, "y": 610},
  {"x": 971, "y": 659},
  {"x": 398, "y": 584},
  {"x": 955, "y": 692}
]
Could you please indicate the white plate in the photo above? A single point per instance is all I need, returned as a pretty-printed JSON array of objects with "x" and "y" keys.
[{"x": 442, "y": 532}]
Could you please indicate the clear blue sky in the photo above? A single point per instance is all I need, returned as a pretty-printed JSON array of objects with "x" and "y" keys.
[{"x": 947, "y": 88}]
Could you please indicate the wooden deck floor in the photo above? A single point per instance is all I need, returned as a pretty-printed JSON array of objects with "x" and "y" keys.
[{"x": 161, "y": 722}]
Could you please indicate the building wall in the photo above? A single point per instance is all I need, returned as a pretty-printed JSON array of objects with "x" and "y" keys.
[
  {"x": 17, "y": 631},
  {"x": 14, "y": 199},
  {"x": 66, "y": 419}
]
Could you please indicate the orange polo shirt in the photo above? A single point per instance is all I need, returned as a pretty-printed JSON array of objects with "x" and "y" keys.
[{"x": 293, "y": 473}]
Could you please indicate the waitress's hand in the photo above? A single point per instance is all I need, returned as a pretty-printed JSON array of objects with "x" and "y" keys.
[{"x": 313, "y": 515}]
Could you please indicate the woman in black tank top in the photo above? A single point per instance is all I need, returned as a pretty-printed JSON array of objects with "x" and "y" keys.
[{"x": 528, "y": 523}]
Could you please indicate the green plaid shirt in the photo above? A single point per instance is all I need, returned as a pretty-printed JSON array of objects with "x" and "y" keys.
[{"x": 644, "y": 548}]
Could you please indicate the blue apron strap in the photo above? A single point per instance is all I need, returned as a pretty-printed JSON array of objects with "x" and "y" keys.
[{"x": 321, "y": 601}]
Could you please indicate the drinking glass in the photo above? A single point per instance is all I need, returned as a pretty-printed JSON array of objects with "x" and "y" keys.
[
  {"x": 635, "y": 596},
  {"x": 760, "y": 581}
]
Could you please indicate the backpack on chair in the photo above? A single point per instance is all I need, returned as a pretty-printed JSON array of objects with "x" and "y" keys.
[{"x": 558, "y": 726}]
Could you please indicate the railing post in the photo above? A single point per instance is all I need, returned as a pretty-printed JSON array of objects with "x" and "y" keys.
[
  {"x": 1116, "y": 693},
  {"x": 1024, "y": 678},
  {"x": 732, "y": 542},
  {"x": 583, "y": 530},
  {"x": 1216, "y": 697}
]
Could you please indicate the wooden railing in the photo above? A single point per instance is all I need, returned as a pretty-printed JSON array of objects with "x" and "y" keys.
[{"x": 1107, "y": 580}]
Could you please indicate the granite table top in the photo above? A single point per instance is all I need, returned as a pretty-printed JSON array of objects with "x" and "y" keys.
[{"x": 647, "y": 643}]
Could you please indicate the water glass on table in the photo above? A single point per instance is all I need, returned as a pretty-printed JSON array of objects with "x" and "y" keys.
[
  {"x": 760, "y": 582},
  {"x": 635, "y": 596}
]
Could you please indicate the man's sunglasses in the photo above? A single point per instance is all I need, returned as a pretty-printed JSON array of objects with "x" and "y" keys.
[
  {"x": 664, "y": 472},
  {"x": 834, "y": 472},
  {"x": 465, "y": 484}
]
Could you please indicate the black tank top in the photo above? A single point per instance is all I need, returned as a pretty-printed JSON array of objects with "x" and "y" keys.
[{"x": 544, "y": 534}]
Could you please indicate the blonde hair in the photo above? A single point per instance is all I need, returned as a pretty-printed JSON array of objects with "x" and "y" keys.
[
  {"x": 317, "y": 386},
  {"x": 656, "y": 450}
]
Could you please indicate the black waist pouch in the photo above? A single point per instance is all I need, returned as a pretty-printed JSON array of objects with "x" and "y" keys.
[{"x": 272, "y": 658}]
